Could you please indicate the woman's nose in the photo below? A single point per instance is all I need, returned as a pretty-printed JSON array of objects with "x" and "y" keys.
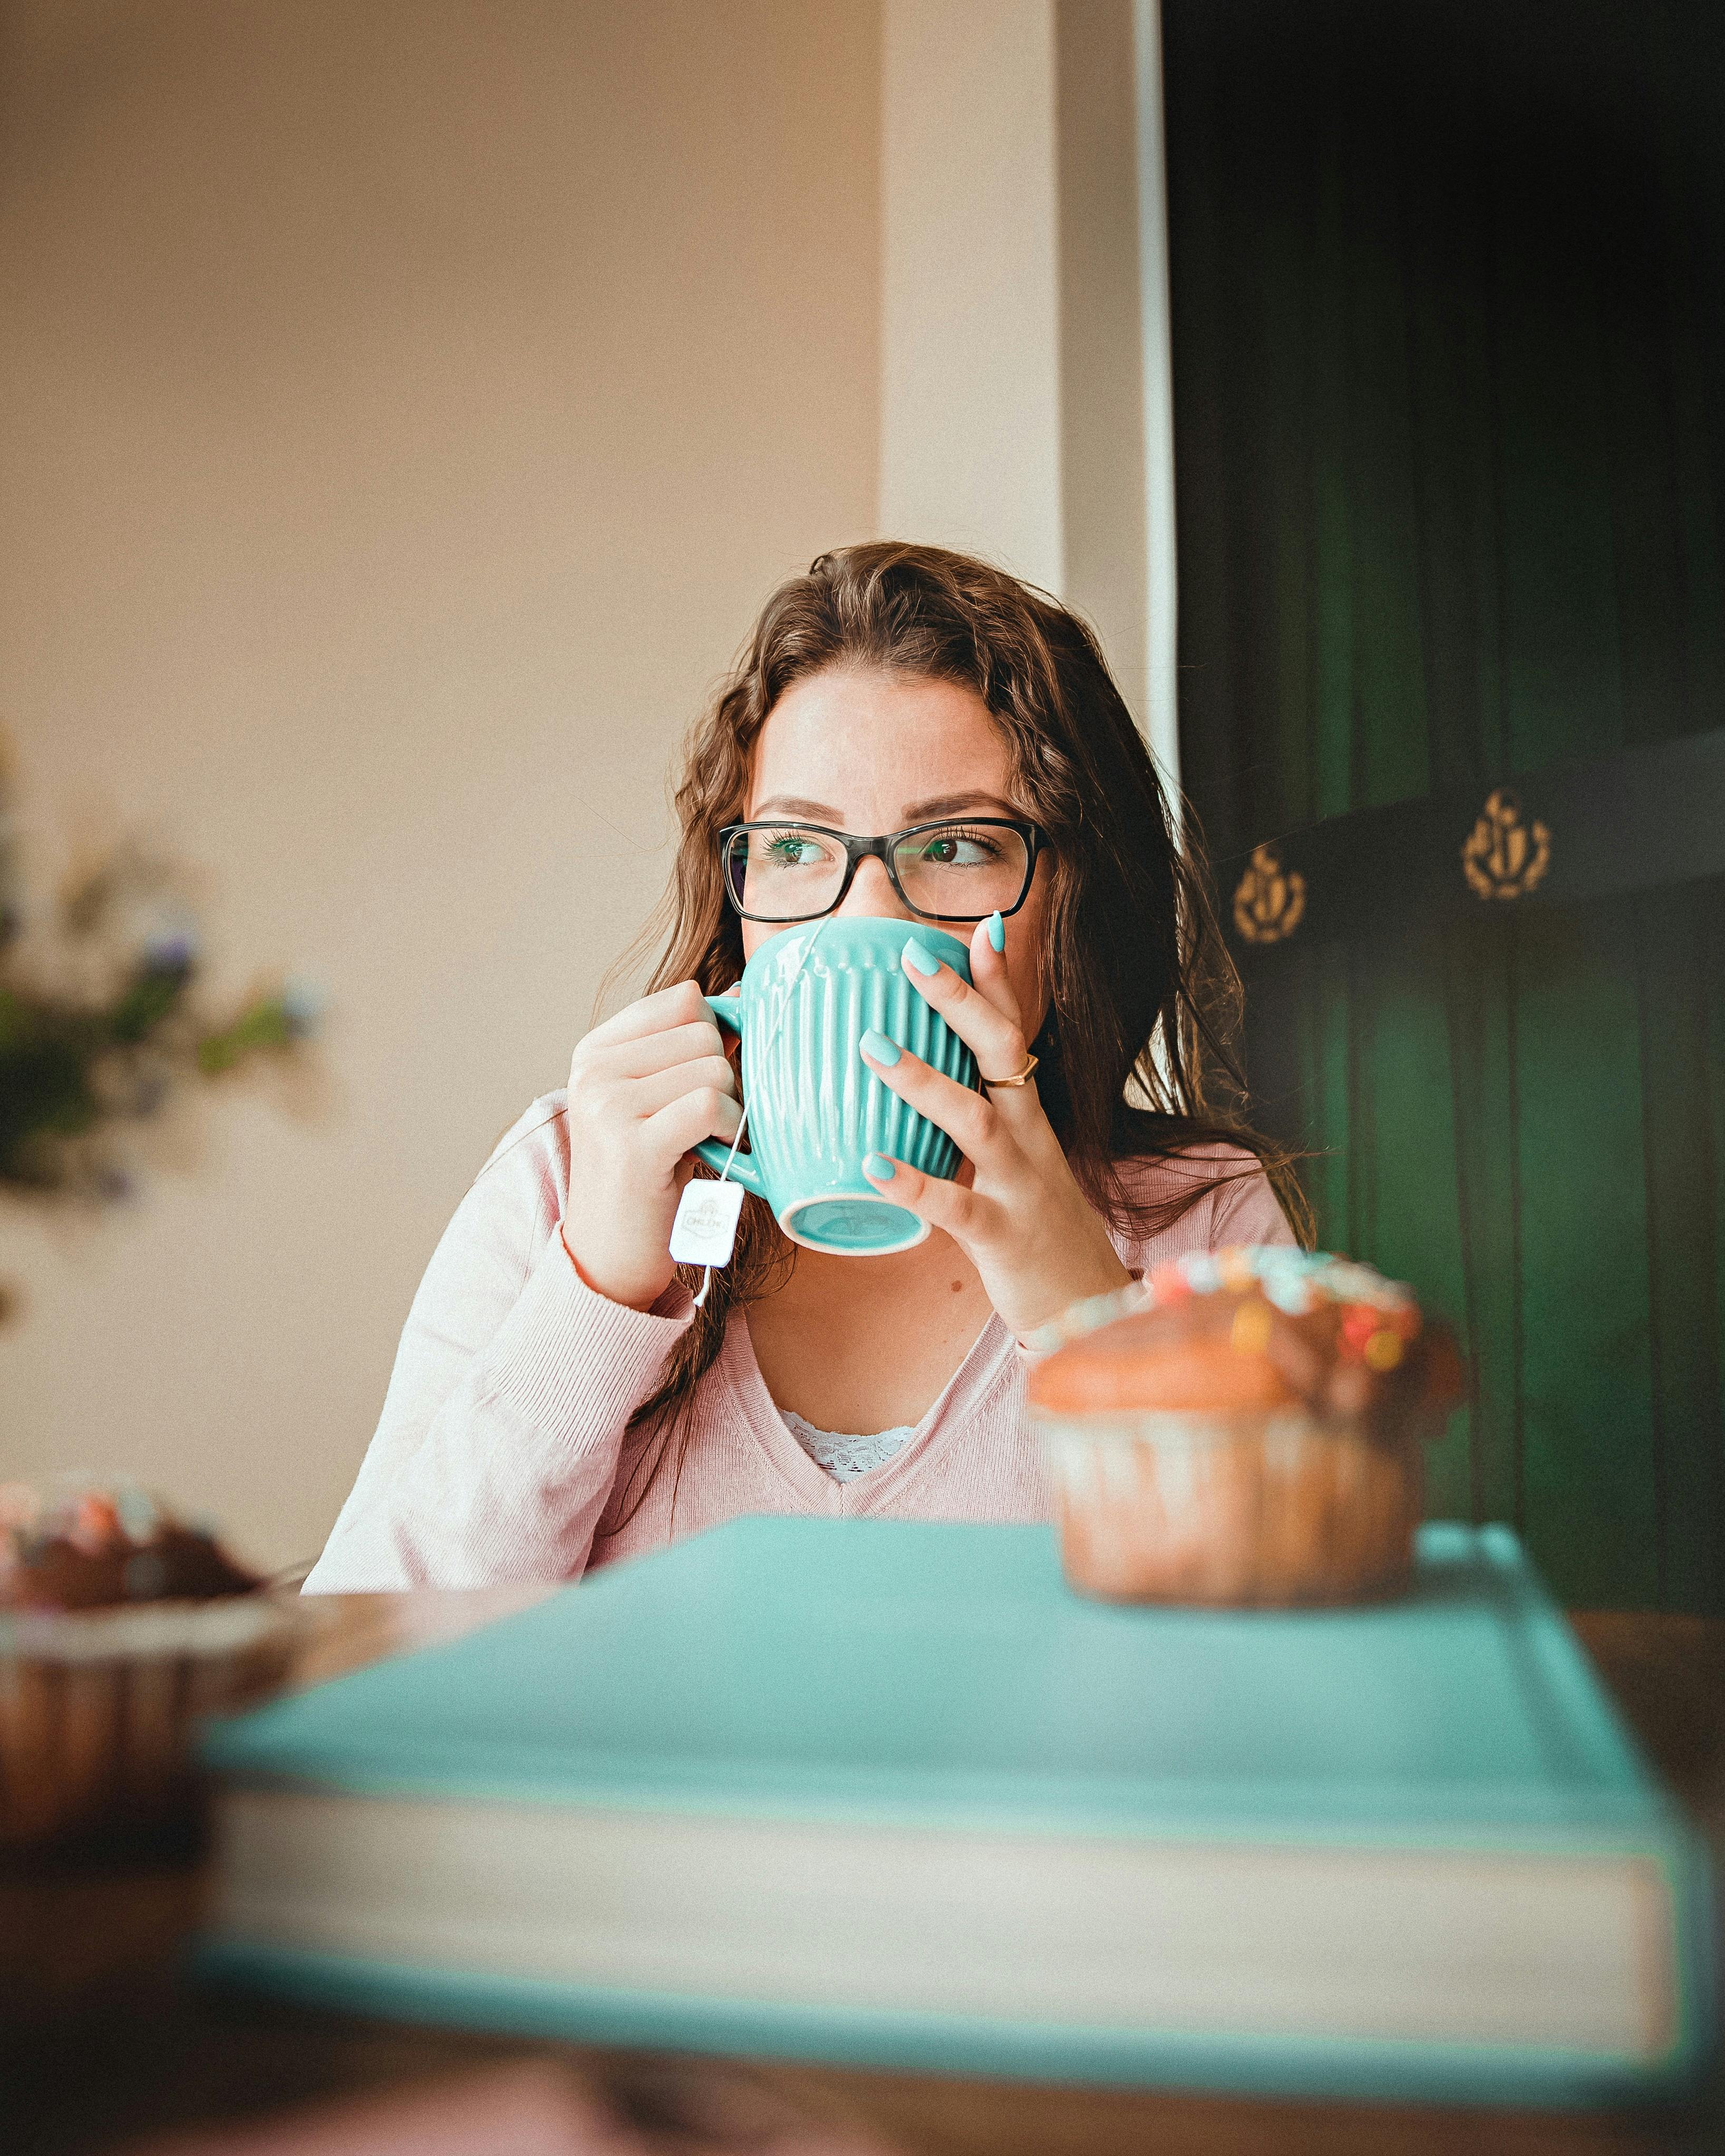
[{"x": 871, "y": 894}]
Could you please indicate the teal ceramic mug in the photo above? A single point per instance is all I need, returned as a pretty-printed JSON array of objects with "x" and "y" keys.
[{"x": 814, "y": 1106}]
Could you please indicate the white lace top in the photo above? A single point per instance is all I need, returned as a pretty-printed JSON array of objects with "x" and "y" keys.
[{"x": 844, "y": 1457}]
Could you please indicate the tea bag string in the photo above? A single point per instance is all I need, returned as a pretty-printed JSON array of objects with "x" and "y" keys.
[
  {"x": 707, "y": 1271},
  {"x": 743, "y": 1121}
]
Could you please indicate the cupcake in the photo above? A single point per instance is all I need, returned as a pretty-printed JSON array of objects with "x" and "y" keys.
[
  {"x": 1244, "y": 1426},
  {"x": 120, "y": 1625}
]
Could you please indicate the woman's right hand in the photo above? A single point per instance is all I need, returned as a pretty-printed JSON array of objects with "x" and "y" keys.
[{"x": 644, "y": 1087}]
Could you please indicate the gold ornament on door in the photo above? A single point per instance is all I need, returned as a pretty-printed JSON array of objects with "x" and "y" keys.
[
  {"x": 1504, "y": 857},
  {"x": 1270, "y": 900}
]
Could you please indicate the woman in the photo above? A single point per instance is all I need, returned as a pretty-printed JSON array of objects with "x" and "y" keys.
[{"x": 558, "y": 1400}]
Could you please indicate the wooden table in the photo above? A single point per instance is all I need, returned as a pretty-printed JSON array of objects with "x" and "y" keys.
[{"x": 104, "y": 2042}]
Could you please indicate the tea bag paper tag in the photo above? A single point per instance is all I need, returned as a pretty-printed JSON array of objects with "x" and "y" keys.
[{"x": 705, "y": 1230}]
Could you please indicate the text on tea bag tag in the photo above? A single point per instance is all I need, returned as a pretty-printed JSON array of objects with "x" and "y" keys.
[{"x": 705, "y": 1230}]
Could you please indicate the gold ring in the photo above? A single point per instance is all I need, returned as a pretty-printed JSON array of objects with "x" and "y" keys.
[{"x": 1022, "y": 1077}]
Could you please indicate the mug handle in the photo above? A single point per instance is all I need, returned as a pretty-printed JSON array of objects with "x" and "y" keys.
[{"x": 728, "y": 1011}]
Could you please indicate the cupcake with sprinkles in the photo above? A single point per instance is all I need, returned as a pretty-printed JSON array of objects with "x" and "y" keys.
[
  {"x": 121, "y": 1626},
  {"x": 1244, "y": 1426}
]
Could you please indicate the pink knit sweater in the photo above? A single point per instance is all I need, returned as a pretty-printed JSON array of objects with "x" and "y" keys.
[{"x": 503, "y": 1451}]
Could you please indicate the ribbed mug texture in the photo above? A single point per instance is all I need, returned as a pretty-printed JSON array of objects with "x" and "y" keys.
[{"x": 815, "y": 1108}]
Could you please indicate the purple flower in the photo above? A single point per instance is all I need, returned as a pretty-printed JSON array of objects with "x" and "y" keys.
[{"x": 171, "y": 951}]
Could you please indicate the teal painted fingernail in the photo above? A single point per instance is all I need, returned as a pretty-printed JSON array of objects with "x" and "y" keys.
[
  {"x": 878, "y": 1166},
  {"x": 996, "y": 932},
  {"x": 921, "y": 959},
  {"x": 877, "y": 1045}
]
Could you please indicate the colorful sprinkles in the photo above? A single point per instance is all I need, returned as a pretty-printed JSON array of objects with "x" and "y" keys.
[{"x": 1379, "y": 1316}]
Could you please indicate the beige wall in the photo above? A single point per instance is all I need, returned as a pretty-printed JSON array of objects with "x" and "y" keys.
[
  {"x": 1101, "y": 369},
  {"x": 403, "y": 406},
  {"x": 1024, "y": 408},
  {"x": 970, "y": 408}
]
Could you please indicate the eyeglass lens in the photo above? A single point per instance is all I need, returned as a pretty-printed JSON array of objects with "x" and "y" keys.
[{"x": 963, "y": 871}]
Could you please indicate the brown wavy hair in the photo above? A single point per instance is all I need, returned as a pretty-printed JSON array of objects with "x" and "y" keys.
[{"x": 1139, "y": 1056}]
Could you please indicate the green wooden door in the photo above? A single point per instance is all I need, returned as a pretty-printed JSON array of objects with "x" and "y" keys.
[{"x": 1448, "y": 289}]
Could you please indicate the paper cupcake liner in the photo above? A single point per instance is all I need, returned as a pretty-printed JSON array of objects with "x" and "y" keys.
[
  {"x": 98, "y": 1709},
  {"x": 1270, "y": 1508}
]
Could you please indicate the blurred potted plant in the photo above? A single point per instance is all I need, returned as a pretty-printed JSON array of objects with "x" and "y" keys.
[{"x": 101, "y": 1023}]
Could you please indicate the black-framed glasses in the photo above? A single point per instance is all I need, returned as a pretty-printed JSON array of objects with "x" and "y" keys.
[{"x": 963, "y": 868}]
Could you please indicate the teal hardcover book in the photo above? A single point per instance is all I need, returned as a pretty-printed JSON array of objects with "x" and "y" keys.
[{"x": 889, "y": 1793}]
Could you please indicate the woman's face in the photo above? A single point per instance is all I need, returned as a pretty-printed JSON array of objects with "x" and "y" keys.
[{"x": 867, "y": 751}]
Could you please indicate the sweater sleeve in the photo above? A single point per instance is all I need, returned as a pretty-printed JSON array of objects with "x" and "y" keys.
[
  {"x": 512, "y": 1388},
  {"x": 1246, "y": 1209}
]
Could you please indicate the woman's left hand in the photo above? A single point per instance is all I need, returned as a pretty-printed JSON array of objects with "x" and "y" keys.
[{"x": 1023, "y": 1222}]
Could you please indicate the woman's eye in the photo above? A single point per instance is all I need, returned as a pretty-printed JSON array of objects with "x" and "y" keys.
[
  {"x": 792, "y": 849},
  {"x": 960, "y": 849}
]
